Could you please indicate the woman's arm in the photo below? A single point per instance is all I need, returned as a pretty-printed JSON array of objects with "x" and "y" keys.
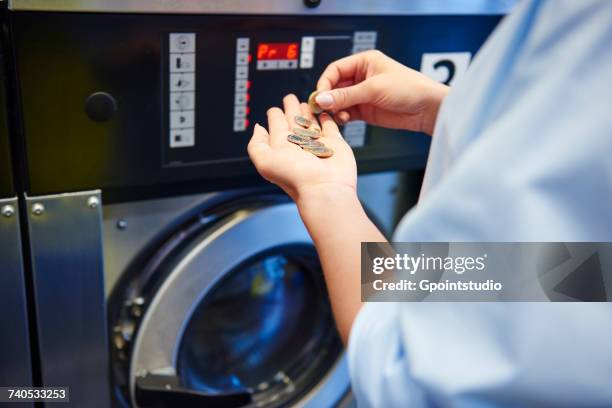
[
  {"x": 368, "y": 86},
  {"x": 338, "y": 224}
]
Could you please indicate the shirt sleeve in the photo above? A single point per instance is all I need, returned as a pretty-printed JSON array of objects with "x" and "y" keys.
[
  {"x": 377, "y": 361},
  {"x": 522, "y": 152}
]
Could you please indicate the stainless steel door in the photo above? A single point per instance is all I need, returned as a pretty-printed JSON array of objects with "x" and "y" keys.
[
  {"x": 14, "y": 340},
  {"x": 65, "y": 232}
]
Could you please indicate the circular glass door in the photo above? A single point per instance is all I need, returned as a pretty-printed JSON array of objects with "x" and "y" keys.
[
  {"x": 266, "y": 327},
  {"x": 242, "y": 310}
]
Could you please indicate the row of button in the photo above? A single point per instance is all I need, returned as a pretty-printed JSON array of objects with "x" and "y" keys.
[
  {"x": 364, "y": 40},
  {"x": 277, "y": 64},
  {"x": 307, "y": 52},
  {"x": 241, "y": 85},
  {"x": 354, "y": 132},
  {"x": 182, "y": 89}
]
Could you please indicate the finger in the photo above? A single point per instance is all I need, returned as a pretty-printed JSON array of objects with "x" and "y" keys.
[
  {"x": 292, "y": 109},
  {"x": 352, "y": 113},
  {"x": 344, "y": 69},
  {"x": 259, "y": 146},
  {"x": 329, "y": 127},
  {"x": 307, "y": 113},
  {"x": 343, "y": 117},
  {"x": 277, "y": 123},
  {"x": 343, "y": 98},
  {"x": 344, "y": 84}
]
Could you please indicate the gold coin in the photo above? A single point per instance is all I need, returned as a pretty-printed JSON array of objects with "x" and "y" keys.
[
  {"x": 312, "y": 103},
  {"x": 319, "y": 151},
  {"x": 302, "y": 121},
  {"x": 313, "y": 132},
  {"x": 297, "y": 139}
]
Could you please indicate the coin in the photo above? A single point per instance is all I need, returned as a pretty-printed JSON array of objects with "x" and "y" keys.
[
  {"x": 302, "y": 121},
  {"x": 313, "y": 143},
  {"x": 312, "y": 103},
  {"x": 319, "y": 151},
  {"x": 299, "y": 140},
  {"x": 313, "y": 132}
]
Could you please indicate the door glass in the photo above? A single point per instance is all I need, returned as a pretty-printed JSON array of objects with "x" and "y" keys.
[{"x": 266, "y": 325}]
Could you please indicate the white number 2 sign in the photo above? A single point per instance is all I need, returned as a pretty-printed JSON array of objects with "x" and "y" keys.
[{"x": 445, "y": 67}]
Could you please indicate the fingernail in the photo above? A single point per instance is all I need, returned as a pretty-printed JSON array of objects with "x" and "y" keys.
[{"x": 325, "y": 99}]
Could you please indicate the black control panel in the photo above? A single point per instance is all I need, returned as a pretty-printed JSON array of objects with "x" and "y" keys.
[{"x": 149, "y": 104}]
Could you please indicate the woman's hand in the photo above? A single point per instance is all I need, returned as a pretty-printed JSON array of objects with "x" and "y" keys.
[
  {"x": 373, "y": 87},
  {"x": 299, "y": 173}
]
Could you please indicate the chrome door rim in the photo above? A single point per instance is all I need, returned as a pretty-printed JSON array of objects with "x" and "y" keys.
[{"x": 240, "y": 237}]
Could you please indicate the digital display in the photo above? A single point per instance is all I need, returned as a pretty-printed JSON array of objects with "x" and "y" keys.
[{"x": 277, "y": 51}]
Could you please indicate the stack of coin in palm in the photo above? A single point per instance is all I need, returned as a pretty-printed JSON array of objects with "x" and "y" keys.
[{"x": 306, "y": 135}]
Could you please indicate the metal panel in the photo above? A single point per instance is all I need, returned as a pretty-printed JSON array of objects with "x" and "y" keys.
[
  {"x": 326, "y": 7},
  {"x": 67, "y": 262},
  {"x": 14, "y": 340}
]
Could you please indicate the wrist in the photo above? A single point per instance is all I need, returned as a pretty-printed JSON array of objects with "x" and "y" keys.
[
  {"x": 316, "y": 198},
  {"x": 437, "y": 94}
]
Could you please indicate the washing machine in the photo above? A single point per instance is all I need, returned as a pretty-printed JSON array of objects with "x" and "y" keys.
[
  {"x": 219, "y": 301},
  {"x": 165, "y": 271}
]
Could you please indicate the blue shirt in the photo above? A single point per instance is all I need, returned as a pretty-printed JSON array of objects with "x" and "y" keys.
[{"x": 522, "y": 151}]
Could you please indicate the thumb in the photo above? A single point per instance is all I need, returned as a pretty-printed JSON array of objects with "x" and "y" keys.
[
  {"x": 259, "y": 146},
  {"x": 343, "y": 98}
]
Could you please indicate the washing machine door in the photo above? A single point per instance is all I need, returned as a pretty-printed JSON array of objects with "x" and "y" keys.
[{"x": 241, "y": 319}]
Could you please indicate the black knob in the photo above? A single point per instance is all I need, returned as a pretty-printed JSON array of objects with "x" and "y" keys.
[
  {"x": 100, "y": 106},
  {"x": 312, "y": 3}
]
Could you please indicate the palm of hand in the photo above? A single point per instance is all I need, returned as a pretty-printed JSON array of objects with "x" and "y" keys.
[
  {"x": 289, "y": 166},
  {"x": 295, "y": 169}
]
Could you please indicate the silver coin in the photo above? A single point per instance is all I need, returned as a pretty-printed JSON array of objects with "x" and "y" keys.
[
  {"x": 319, "y": 151},
  {"x": 299, "y": 140},
  {"x": 313, "y": 143},
  {"x": 302, "y": 121},
  {"x": 313, "y": 132}
]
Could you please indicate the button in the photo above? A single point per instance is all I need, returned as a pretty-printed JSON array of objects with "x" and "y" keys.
[
  {"x": 241, "y": 85},
  {"x": 182, "y": 82},
  {"x": 182, "y": 42},
  {"x": 182, "y": 138},
  {"x": 354, "y": 133},
  {"x": 364, "y": 37},
  {"x": 242, "y": 44},
  {"x": 242, "y": 58},
  {"x": 308, "y": 44},
  {"x": 240, "y": 98},
  {"x": 287, "y": 64},
  {"x": 240, "y": 111},
  {"x": 306, "y": 60},
  {"x": 181, "y": 119},
  {"x": 242, "y": 72},
  {"x": 100, "y": 106},
  {"x": 239, "y": 125},
  {"x": 182, "y": 62},
  {"x": 267, "y": 64},
  {"x": 362, "y": 47},
  {"x": 182, "y": 101}
]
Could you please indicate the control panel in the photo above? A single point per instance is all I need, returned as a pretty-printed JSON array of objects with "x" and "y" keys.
[
  {"x": 264, "y": 68},
  {"x": 157, "y": 104}
]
